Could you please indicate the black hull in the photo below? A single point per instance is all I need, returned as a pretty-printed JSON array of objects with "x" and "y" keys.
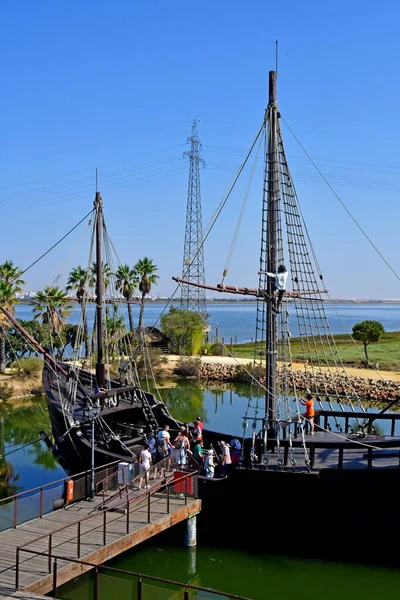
[
  {"x": 346, "y": 515},
  {"x": 74, "y": 442}
]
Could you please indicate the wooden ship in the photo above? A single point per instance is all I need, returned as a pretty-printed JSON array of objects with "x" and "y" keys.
[{"x": 322, "y": 486}]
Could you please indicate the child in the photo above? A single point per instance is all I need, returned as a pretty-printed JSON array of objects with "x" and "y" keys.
[{"x": 280, "y": 284}]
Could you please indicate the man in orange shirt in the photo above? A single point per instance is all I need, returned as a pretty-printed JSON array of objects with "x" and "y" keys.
[{"x": 309, "y": 404}]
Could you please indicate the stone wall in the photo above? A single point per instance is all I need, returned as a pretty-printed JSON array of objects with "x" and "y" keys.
[{"x": 326, "y": 383}]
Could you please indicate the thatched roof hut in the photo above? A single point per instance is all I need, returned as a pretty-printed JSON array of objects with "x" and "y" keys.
[{"x": 153, "y": 336}]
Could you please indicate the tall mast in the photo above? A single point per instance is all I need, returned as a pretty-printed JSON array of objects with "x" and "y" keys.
[
  {"x": 98, "y": 203},
  {"x": 272, "y": 159}
]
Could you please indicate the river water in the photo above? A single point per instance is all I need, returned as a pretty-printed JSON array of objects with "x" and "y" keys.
[
  {"x": 230, "y": 570},
  {"x": 237, "y": 320}
]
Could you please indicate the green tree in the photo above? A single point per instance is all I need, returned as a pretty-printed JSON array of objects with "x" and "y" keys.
[
  {"x": 368, "y": 332},
  {"x": 78, "y": 281},
  {"x": 10, "y": 284},
  {"x": 126, "y": 282},
  {"x": 115, "y": 331},
  {"x": 52, "y": 306},
  {"x": 17, "y": 346},
  {"x": 147, "y": 271},
  {"x": 185, "y": 330}
]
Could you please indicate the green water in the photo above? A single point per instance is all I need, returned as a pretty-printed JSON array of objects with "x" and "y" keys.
[{"x": 254, "y": 576}]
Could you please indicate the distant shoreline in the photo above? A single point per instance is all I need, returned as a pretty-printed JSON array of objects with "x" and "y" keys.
[{"x": 241, "y": 301}]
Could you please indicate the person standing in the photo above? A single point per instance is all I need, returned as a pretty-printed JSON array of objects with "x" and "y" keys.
[
  {"x": 209, "y": 465},
  {"x": 280, "y": 285},
  {"x": 226, "y": 460},
  {"x": 200, "y": 425},
  {"x": 198, "y": 452},
  {"x": 309, "y": 404},
  {"x": 145, "y": 461}
]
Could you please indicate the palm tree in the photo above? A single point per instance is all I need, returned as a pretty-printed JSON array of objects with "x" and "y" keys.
[
  {"x": 10, "y": 285},
  {"x": 52, "y": 306},
  {"x": 146, "y": 270},
  {"x": 126, "y": 282},
  {"x": 77, "y": 281}
]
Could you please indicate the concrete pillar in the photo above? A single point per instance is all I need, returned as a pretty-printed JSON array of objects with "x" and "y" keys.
[
  {"x": 192, "y": 563},
  {"x": 191, "y": 532}
]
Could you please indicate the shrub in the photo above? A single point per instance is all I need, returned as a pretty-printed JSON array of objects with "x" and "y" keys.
[
  {"x": 217, "y": 349},
  {"x": 28, "y": 367},
  {"x": 6, "y": 391},
  {"x": 188, "y": 367},
  {"x": 243, "y": 374}
]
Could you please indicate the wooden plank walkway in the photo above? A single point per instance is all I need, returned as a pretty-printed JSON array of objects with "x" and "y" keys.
[{"x": 102, "y": 535}]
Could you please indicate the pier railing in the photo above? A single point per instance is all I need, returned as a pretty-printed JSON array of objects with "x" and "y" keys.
[
  {"x": 138, "y": 586},
  {"x": 36, "y": 502},
  {"x": 159, "y": 499},
  {"x": 129, "y": 476}
]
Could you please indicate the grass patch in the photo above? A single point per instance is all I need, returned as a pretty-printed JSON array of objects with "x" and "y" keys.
[{"x": 386, "y": 352}]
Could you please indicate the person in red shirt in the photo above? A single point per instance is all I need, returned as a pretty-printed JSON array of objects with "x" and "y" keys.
[
  {"x": 309, "y": 404},
  {"x": 200, "y": 424}
]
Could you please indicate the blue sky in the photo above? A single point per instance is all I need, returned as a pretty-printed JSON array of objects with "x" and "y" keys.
[{"x": 113, "y": 85}]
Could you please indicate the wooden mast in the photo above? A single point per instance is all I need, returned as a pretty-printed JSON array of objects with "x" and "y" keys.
[
  {"x": 100, "y": 372},
  {"x": 271, "y": 254}
]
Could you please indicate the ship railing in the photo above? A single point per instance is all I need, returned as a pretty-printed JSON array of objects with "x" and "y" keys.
[
  {"x": 146, "y": 586},
  {"x": 100, "y": 526},
  {"x": 128, "y": 477},
  {"x": 36, "y": 502}
]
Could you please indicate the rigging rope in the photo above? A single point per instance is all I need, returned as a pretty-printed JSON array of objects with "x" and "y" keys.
[{"x": 341, "y": 202}]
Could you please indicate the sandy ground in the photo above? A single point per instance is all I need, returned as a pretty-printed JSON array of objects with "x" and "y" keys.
[{"x": 351, "y": 371}]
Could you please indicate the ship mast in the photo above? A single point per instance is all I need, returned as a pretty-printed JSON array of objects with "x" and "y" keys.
[
  {"x": 100, "y": 372},
  {"x": 273, "y": 190}
]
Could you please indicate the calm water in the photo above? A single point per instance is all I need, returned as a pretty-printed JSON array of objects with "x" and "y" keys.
[
  {"x": 257, "y": 576},
  {"x": 238, "y": 320},
  {"x": 230, "y": 570}
]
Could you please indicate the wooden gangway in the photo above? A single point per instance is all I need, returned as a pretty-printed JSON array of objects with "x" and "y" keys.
[{"x": 95, "y": 530}]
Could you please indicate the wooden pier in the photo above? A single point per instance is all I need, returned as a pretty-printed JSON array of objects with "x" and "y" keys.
[{"x": 93, "y": 531}]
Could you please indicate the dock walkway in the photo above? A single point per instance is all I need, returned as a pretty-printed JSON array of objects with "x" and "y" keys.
[{"x": 91, "y": 531}]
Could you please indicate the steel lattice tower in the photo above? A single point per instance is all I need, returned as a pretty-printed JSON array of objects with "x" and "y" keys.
[{"x": 193, "y": 298}]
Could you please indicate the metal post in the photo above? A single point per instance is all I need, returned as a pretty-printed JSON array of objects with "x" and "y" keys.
[
  {"x": 148, "y": 507},
  {"x": 49, "y": 552},
  {"x": 186, "y": 480},
  {"x": 92, "y": 494},
  {"x": 393, "y": 427},
  {"x": 127, "y": 518},
  {"x": 340, "y": 462},
  {"x": 96, "y": 584},
  {"x": 41, "y": 502},
  {"x": 104, "y": 528},
  {"x": 15, "y": 512},
  {"x": 186, "y": 594},
  {"x": 167, "y": 499},
  {"x": 312, "y": 456},
  {"x": 139, "y": 588},
  {"x": 17, "y": 570},
  {"x": 286, "y": 455},
  {"x": 78, "y": 541},
  {"x": 55, "y": 578}
]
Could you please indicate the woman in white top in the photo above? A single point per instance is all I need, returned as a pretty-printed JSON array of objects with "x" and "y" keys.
[{"x": 145, "y": 461}]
